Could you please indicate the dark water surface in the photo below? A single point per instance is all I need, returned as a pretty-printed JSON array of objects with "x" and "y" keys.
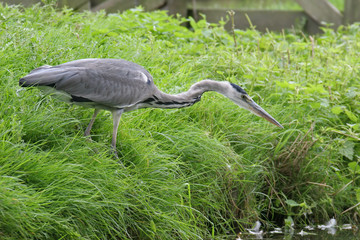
[{"x": 317, "y": 234}]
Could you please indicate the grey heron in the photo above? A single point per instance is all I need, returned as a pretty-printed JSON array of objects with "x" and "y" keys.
[{"x": 120, "y": 86}]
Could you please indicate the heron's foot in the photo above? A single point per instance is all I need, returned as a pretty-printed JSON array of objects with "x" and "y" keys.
[
  {"x": 114, "y": 152},
  {"x": 88, "y": 137}
]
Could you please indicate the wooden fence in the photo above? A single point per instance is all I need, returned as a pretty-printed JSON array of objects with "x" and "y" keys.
[{"x": 315, "y": 13}]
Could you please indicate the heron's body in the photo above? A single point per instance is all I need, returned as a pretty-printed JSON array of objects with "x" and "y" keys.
[{"x": 120, "y": 86}]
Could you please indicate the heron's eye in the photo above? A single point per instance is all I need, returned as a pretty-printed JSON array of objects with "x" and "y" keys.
[{"x": 243, "y": 97}]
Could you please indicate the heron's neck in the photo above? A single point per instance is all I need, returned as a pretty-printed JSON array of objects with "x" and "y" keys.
[{"x": 188, "y": 98}]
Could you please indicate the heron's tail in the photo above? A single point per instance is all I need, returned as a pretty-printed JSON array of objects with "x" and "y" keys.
[{"x": 39, "y": 77}]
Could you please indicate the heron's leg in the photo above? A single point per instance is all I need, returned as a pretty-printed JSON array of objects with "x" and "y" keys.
[
  {"x": 87, "y": 131},
  {"x": 116, "y": 119}
]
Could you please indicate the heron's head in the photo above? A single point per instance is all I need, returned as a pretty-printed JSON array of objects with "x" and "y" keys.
[{"x": 241, "y": 98}]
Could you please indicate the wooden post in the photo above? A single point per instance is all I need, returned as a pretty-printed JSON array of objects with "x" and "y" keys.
[
  {"x": 321, "y": 11},
  {"x": 351, "y": 11}
]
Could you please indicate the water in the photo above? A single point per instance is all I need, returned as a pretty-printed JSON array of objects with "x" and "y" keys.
[
  {"x": 315, "y": 235},
  {"x": 328, "y": 231}
]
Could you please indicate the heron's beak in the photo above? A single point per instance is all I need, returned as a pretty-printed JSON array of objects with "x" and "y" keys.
[{"x": 257, "y": 110}]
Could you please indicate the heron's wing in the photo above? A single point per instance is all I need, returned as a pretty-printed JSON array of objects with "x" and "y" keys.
[{"x": 110, "y": 82}]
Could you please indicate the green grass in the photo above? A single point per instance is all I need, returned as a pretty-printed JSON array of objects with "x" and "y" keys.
[{"x": 203, "y": 172}]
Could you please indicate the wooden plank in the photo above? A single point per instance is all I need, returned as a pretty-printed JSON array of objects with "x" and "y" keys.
[
  {"x": 75, "y": 4},
  {"x": 175, "y": 6},
  {"x": 150, "y": 5},
  {"x": 274, "y": 20},
  {"x": 26, "y": 3},
  {"x": 94, "y": 3},
  {"x": 351, "y": 11},
  {"x": 321, "y": 11},
  {"x": 85, "y": 7},
  {"x": 112, "y": 6},
  {"x": 311, "y": 27}
]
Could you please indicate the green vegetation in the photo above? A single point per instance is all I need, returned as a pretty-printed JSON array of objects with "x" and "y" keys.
[{"x": 207, "y": 171}]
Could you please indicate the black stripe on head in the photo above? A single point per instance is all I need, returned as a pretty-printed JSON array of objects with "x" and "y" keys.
[{"x": 238, "y": 88}]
